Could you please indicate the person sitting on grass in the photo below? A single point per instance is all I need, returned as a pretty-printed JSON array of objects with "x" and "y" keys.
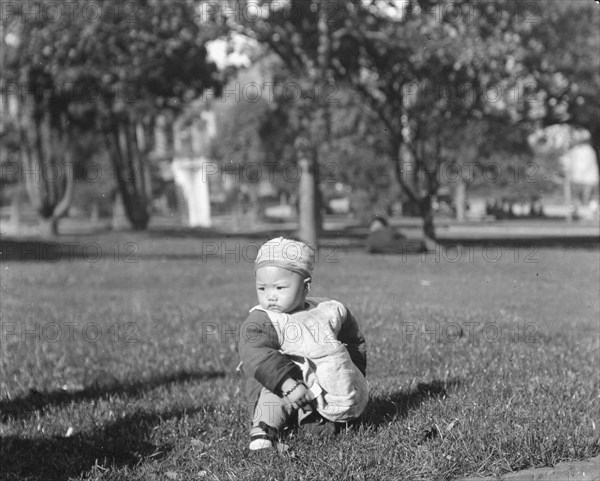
[
  {"x": 384, "y": 239},
  {"x": 304, "y": 359}
]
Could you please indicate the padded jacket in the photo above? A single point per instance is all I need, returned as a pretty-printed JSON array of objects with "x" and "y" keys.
[{"x": 272, "y": 349}]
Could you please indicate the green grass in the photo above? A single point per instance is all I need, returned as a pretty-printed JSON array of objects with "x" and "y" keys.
[{"x": 474, "y": 367}]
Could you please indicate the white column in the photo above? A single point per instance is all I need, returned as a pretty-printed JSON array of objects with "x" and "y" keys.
[
  {"x": 200, "y": 213},
  {"x": 190, "y": 174}
]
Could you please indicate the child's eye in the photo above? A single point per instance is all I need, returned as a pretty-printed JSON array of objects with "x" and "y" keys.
[
  {"x": 261, "y": 288},
  {"x": 279, "y": 288}
]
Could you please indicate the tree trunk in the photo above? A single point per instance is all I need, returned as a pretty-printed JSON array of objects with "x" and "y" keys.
[
  {"x": 128, "y": 164},
  {"x": 14, "y": 220},
  {"x": 62, "y": 208},
  {"x": 595, "y": 140},
  {"x": 427, "y": 216},
  {"x": 307, "y": 219},
  {"x": 318, "y": 204},
  {"x": 316, "y": 128},
  {"x": 46, "y": 154},
  {"x": 460, "y": 200},
  {"x": 424, "y": 204}
]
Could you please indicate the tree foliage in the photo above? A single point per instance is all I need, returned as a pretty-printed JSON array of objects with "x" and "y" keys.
[
  {"x": 435, "y": 73},
  {"x": 111, "y": 69},
  {"x": 448, "y": 82}
]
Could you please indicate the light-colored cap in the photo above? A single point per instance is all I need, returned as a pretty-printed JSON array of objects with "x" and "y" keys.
[{"x": 288, "y": 254}]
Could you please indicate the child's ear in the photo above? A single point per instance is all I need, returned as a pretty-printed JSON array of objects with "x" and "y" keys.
[{"x": 307, "y": 283}]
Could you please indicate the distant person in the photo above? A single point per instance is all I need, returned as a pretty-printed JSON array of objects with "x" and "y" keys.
[
  {"x": 496, "y": 209},
  {"x": 536, "y": 208},
  {"x": 304, "y": 359},
  {"x": 381, "y": 236},
  {"x": 383, "y": 239}
]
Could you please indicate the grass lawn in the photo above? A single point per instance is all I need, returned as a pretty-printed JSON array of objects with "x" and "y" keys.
[{"x": 126, "y": 370}]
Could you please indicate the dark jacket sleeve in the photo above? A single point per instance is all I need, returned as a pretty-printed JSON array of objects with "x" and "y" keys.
[
  {"x": 355, "y": 342},
  {"x": 260, "y": 354}
]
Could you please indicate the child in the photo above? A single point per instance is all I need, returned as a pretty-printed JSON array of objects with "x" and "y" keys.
[{"x": 298, "y": 353}]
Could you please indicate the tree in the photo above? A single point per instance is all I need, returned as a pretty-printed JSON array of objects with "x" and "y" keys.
[
  {"x": 430, "y": 71},
  {"x": 427, "y": 69},
  {"x": 424, "y": 68},
  {"x": 112, "y": 69},
  {"x": 43, "y": 127}
]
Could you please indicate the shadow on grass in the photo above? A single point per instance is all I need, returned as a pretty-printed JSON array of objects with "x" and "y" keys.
[
  {"x": 125, "y": 442},
  {"x": 221, "y": 246},
  {"x": 384, "y": 409},
  {"x": 101, "y": 387},
  {"x": 27, "y": 250}
]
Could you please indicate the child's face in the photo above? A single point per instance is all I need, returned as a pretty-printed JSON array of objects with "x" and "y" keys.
[{"x": 280, "y": 290}]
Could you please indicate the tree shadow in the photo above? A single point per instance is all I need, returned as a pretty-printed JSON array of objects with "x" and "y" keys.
[
  {"x": 125, "y": 442},
  {"x": 69, "y": 250},
  {"x": 32, "y": 250},
  {"x": 102, "y": 387},
  {"x": 387, "y": 408},
  {"x": 527, "y": 243}
]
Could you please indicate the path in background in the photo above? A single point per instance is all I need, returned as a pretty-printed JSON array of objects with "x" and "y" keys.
[
  {"x": 339, "y": 230},
  {"x": 588, "y": 470}
]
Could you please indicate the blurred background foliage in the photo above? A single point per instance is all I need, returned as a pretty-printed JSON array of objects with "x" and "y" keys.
[{"x": 396, "y": 104}]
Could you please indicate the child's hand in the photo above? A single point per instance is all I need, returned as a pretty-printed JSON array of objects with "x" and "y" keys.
[{"x": 299, "y": 396}]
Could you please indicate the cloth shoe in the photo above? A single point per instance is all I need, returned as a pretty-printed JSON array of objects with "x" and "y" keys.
[{"x": 262, "y": 437}]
